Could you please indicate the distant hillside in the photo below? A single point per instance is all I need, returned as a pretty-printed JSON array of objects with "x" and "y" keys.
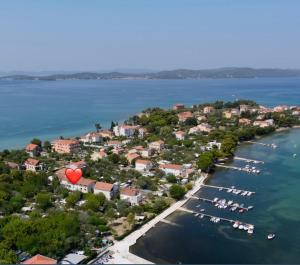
[{"x": 172, "y": 74}]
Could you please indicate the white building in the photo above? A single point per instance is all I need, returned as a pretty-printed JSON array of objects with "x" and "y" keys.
[
  {"x": 143, "y": 165},
  {"x": 176, "y": 170},
  {"x": 125, "y": 130},
  {"x": 213, "y": 144},
  {"x": 109, "y": 190},
  {"x": 91, "y": 138},
  {"x": 157, "y": 145},
  {"x": 180, "y": 135},
  {"x": 83, "y": 185},
  {"x": 131, "y": 195}
]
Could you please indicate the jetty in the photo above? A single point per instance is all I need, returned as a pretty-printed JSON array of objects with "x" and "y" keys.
[
  {"x": 244, "y": 169},
  {"x": 274, "y": 146},
  {"x": 225, "y": 188},
  {"x": 212, "y": 216},
  {"x": 212, "y": 202},
  {"x": 248, "y": 160}
]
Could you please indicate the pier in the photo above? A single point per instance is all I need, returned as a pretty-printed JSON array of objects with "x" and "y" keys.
[
  {"x": 225, "y": 188},
  {"x": 244, "y": 169},
  {"x": 248, "y": 160},
  {"x": 263, "y": 144},
  {"x": 211, "y": 216},
  {"x": 212, "y": 202}
]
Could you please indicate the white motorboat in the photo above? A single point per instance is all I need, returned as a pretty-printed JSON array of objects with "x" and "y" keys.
[{"x": 271, "y": 236}]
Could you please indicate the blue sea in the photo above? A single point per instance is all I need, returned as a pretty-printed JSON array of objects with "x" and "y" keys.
[{"x": 49, "y": 109}]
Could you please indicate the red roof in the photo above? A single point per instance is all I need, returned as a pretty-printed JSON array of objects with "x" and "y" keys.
[
  {"x": 85, "y": 182},
  {"x": 40, "y": 259},
  {"x": 103, "y": 186},
  {"x": 31, "y": 161},
  {"x": 171, "y": 166},
  {"x": 129, "y": 191},
  {"x": 66, "y": 142},
  {"x": 141, "y": 161},
  {"x": 31, "y": 147}
]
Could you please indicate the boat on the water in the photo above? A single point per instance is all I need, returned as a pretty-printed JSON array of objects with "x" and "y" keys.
[{"x": 271, "y": 236}]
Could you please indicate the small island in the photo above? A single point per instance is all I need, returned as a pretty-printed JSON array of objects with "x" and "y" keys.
[{"x": 134, "y": 175}]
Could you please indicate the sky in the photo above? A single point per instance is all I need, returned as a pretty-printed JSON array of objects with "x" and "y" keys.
[{"x": 99, "y": 35}]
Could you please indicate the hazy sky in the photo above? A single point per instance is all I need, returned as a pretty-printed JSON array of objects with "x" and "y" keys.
[{"x": 148, "y": 34}]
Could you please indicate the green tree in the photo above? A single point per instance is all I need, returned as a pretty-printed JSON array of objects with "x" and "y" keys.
[
  {"x": 73, "y": 198},
  {"x": 47, "y": 145},
  {"x": 130, "y": 218},
  {"x": 159, "y": 205},
  {"x": 94, "y": 201},
  {"x": 43, "y": 200},
  {"x": 206, "y": 161},
  {"x": 177, "y": 191},
  {"x": 171, "y": 178},
  {"x": 98, "y": 127},
  {"x": 36, "y": 141}
]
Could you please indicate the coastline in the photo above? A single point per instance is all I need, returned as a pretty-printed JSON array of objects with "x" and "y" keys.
[{"x": 121, "y": 248}]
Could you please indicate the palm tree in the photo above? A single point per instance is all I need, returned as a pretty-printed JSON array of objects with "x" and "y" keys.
[{"x": 98, "y": 126}]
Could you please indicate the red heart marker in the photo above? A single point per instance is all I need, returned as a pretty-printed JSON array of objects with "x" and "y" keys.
[{"x": 73, "y": 175}]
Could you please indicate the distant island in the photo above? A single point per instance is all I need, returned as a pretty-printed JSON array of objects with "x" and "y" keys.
[{"x": 218, "y": 73}]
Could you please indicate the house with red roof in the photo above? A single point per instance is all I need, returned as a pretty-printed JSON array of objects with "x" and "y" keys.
[
  {"x": 183, "y": 116},
  {"x": 66, "y": 146},
  {"x": 143, "y": 165},
  {"x": 32, "y": 164},
  {"x": 109, "y": 190},
  {"x": 174, "y": 169},
  {"x": 98, "y": 155},
  {"x": 83, "y": 185},
  {"x": 178, "y": 106},
  {"x": 40, "y": 259},
  {"x": 157, "y": 145},
  {"x": 133, "y": 196},
  {"x": 180, "y": 135},
  {"x": 33, "y": 150}
]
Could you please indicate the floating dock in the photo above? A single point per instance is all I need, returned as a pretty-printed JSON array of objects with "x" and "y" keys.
[
  {"x": 225, "y": 188},
  {"x": 244, "y": 169},
  {"x": 249, "y": 160},
  {"x": 211, "y": 216}
]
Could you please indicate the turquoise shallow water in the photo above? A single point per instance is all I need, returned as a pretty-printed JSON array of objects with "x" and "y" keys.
[
  {"x": 276, "y": 210},
  {"x": 48, "y": 109}
]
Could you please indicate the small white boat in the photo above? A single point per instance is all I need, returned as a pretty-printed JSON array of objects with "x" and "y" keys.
[
  {"x": 250, "y": 207},
  {"x": 250, "y": 231},
  {"x": 249, "y": 193},
  {"x": 241, "y": 227},
  {"x": 229, "y": 190},
  {"x": 236, "y": 225},
  {"x": 197, "y": 214},
  {"x": 201, "y": 216},
  {"x": 230, "y": 202},
  {"x": 294, "y": 155},
  {"x": 202, "y": 210},
  {"x": 271, "y": 236}
]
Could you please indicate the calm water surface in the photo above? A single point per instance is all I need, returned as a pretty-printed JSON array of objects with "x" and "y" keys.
[
  {"x": 48, "y": 109},
  {"x": 276, "y": 210}
]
